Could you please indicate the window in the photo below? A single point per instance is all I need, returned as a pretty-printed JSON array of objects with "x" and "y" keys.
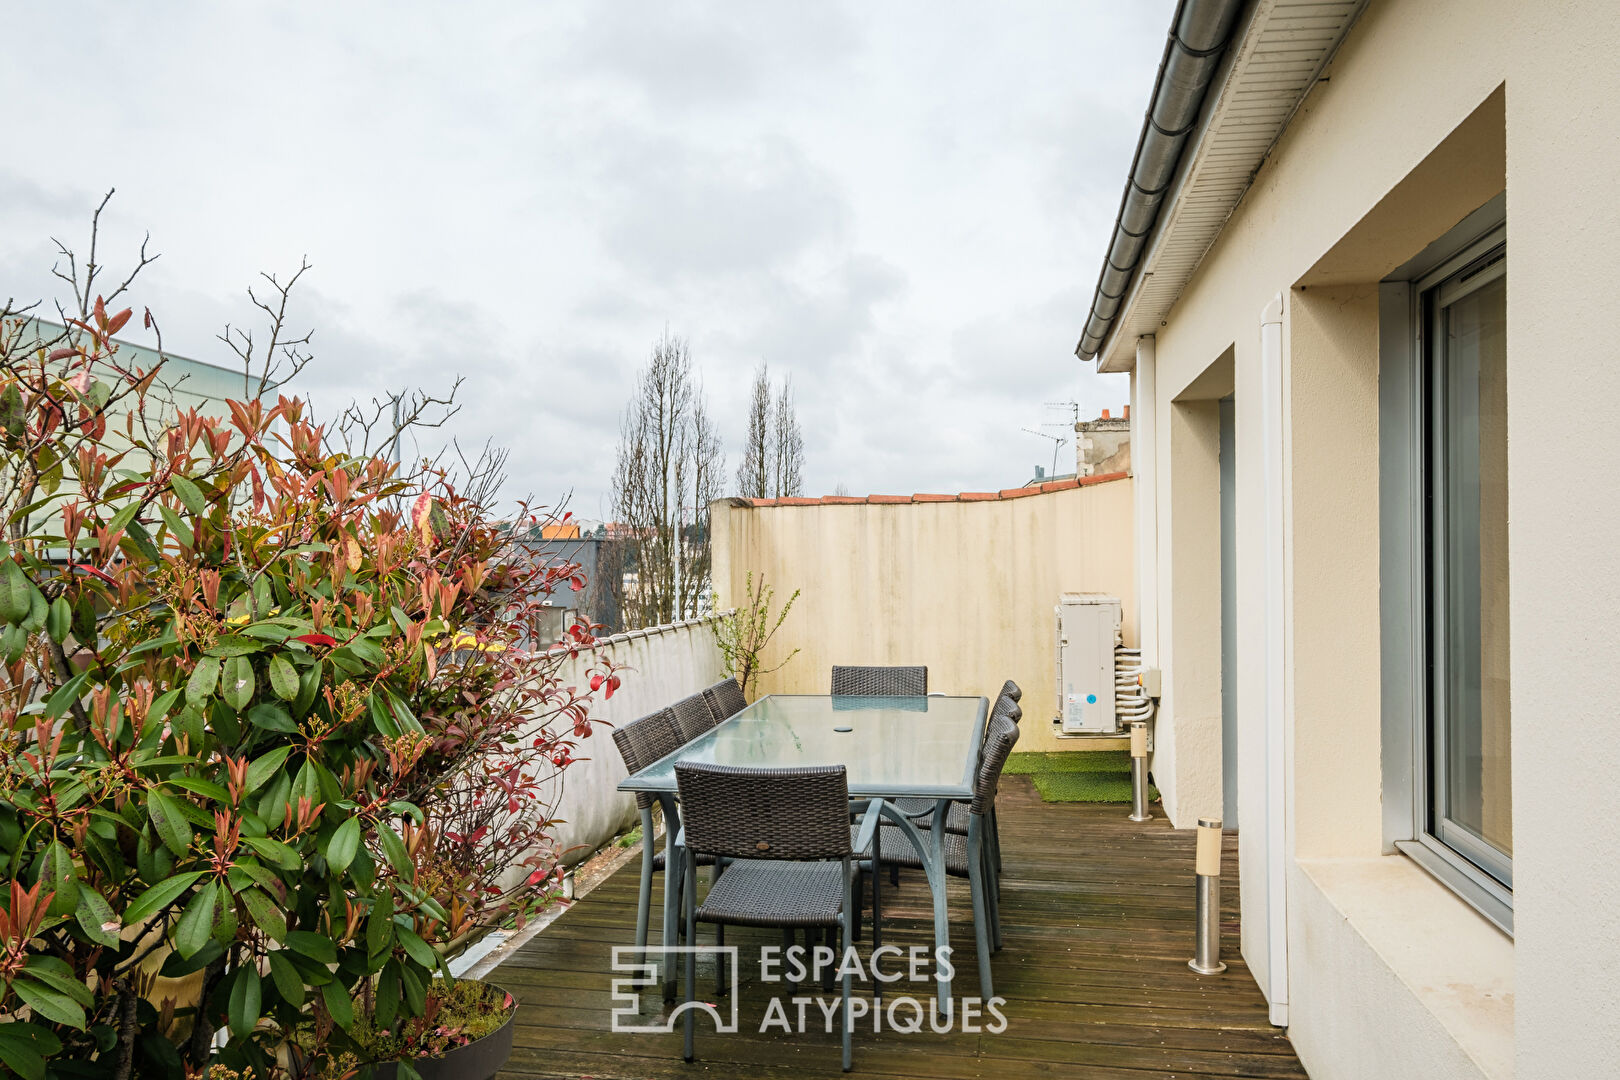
[{"x": 1444, "y": 514}]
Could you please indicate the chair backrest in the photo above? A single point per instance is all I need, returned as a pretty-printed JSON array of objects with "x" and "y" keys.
[
  {"x": 725, "y": 699},
  {"x": 642, "y": 742},
  {"x": 1010, "y": 689},
  {"x": 1003, "y": 737},
  {"x": 879, "y": 681},
  {"x": 1005, "y": 706},
  {"x": 692, "y": 717},
  {"x": 747, "y": 813}
]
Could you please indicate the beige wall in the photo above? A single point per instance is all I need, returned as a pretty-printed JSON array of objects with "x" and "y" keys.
[
  {"x": 967, "y": 588},
  {"x": 1429, "y": 110}
]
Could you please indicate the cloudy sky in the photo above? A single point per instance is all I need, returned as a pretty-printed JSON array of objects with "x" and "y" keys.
[{"x": 901, "y": 204}]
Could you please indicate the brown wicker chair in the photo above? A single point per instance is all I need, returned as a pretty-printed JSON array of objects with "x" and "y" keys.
[
  {"x": 642, "y": 742},
  {"x": 966, "y": 856},
  {"x": 784, "y": 838},
  {"x": 692, "y": 717},
  {"x": 879, "y": 681},
  {"x": 725, "y": 700}
]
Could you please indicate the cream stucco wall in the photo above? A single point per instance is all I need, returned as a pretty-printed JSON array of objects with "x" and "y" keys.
[
  {"x": 1428, "y": 111},
  {"x": 966, "y": 588}
]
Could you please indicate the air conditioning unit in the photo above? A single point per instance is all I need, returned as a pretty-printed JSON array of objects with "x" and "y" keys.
[{"x": 1088, "y": 629}]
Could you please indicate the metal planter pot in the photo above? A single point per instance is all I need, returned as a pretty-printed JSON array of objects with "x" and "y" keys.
[{"x": 478, "y": 1060}]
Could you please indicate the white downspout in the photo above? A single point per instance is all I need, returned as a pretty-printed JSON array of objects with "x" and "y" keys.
[
  {"x": 1271, "y": 423},
  {"x": 1144, "y": 464}
]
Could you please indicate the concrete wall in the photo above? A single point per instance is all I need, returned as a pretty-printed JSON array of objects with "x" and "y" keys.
[
  {"x": 659, "y": 666},
  {"x": 964, "y": 585},
  {"x": 1427, "y": 112}
]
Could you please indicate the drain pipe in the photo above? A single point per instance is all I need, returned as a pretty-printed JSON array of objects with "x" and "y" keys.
[{"x": 1198, "y": 38}]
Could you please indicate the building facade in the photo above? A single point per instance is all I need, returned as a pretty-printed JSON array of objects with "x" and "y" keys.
[{"x": 1370, "y": 264}]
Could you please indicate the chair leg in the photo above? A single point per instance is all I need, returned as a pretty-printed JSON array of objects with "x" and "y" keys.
[
  {"x": 829, "y": 935},
  {"x": 844, "y": 1017},
  {"x": 993, "y": 902},
  {"x": 691, "y": 958},
  {"x": 860, "y": 899},
  {"x": 981, "y": 917},
  {"x": 719, "y": 961},
  {"x": 894, "y": 874},
  {"x": 787, "y": 943},
  {"x": 644, "y": 895},
  {"x": 877, "y": 895}
]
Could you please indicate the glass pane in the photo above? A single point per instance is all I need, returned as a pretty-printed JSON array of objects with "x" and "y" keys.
[
  {"x": 922, "y": 746},
  {"x": 1475, "y": 791}
]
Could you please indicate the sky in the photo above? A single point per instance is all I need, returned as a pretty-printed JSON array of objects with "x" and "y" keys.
[{"x": 901, "y": 205}]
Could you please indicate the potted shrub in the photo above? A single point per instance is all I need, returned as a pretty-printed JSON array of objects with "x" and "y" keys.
[{"x": 268, "y": 732}]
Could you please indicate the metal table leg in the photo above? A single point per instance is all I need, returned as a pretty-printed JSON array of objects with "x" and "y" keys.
[{"x": 930, "y": 851}]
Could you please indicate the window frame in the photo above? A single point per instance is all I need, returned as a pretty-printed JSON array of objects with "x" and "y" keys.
[{"x": 1407, "y": 591}]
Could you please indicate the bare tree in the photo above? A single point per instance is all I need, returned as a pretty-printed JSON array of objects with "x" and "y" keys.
[
  {"x": 669, "y": 468},
  {"x": 754, "y": 473},
  {"x": 788, "y": 445},
  {"x": 773, "y": 456}
]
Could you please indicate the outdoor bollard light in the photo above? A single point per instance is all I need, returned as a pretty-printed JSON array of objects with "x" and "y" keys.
[
  {"x": 1207, "y": 865},
  {"x": 1139, "y": 781}
]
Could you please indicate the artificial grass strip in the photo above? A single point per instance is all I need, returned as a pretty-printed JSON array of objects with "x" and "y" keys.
[
  {"x": 1090, "y": 787},
  {"x": 1069, "y": 761}
]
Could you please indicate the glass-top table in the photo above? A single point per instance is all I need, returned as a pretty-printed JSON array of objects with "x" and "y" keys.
[{"x": 891, "y": 747}]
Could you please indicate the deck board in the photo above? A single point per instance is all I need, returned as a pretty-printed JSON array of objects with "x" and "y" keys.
[{"x": 1097, "y": 917}]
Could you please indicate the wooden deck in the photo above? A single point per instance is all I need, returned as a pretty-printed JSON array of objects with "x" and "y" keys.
[{"x": 1097, "y": 914}]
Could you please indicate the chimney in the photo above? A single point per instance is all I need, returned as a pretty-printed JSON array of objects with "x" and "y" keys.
[
  {"x": 1105, "y": 414},
  {"x": 1127, "y": 412}
]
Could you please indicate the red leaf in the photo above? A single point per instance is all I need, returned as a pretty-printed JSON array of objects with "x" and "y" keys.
[
  {"x": 88, "y": 569},
  {"x": 117, "y": 322},
  {"x": 63, "y": 354},
  {"x": 596, "y": 682},
  {"x": 316, "y": 639}
]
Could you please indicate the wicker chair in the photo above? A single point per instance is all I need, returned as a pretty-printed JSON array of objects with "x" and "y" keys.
[
  {"x": 879, "y": 681},
  {"x": 641, "y": 743},
  {"x": 784, "y": 835},
  {"x": 967, "y": 856},
  {"x": 725, "y": 700},
  {"x": 693, "y": 717},
  {"x": 1010, "y": 689}
]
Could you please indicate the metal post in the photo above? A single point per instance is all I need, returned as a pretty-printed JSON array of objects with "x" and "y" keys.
[
  {"x": 1207, "y": 865},
  {"x": 1139, "y": 772}
]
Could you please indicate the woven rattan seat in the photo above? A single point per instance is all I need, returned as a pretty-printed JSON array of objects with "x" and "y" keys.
[
  {"x": 658, "y": 860},
  {"x": 955, "y": 822},
  {"x": 897, "y": 850},
  {"x": 793, "y": 894},
  {"x": 642, "y": 742},
  {"x": 879, "y": 681},
  {"x": 725, "y": 699}
]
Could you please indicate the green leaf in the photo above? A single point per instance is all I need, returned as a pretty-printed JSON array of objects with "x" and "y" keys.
[
  {"x": 206, "y": 788},
  {"x": 317, "y": 947},
  {"x": 142, "y": 540},
  {"x": 345, "y": 842},
  {"x": 237, "y": 682},
  {"x": 283, "y": 678},
  {"x": 59, "y": 623},
  {"x": 181, "y": 531},
  {"x": 387, "y": 996},
  {"x": 266, "y": 915},
  {"x": 169, "y": 821},
  {"x": 268, "y": 631},
  {"x": 416, "y": 948},
  {"x": 339, "y": 1004},
  {"x": 394, "y": 851},
  {"x": 289, "y": 983},
  {"x": 272, "y": 717},
  {"x": 19, "y": 1054},
  {"x": 159, "y": 896},
  {"x": 200, "y": 687},
  {"x": 49, "y": 1003},
  {"x": 274, "y": 852},
  {"x": 415, "y": 992},
  {"x": 126, "y": 513},
  {"x": 196, "y": 924},
  {"x": 235, "y": 645},
  {"x": 189, "y": 494},
  {"x": 380, "y": 926},
  {"x": 55, "y": 973},
  {"x": 263, "y": 768},
  {"x": 159, "y": 711},
  {"x": 245, "y": 998},
  {"x": 94, "y": 915},
  {"x": 66, "y": 694}
]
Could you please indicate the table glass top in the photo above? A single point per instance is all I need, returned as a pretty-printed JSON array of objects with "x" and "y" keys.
[{"x": 921, "y": 746}]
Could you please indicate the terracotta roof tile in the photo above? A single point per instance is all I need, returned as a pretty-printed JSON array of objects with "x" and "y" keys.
[
  {"x": 888, "y": 498},
  {"x": 934, "y": 498},
  {"x": 925, "y": 497}
]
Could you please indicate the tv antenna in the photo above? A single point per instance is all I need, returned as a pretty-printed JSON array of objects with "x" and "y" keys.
[
  {"x": 1057, "y": 444},
  {"x": 1072, "y": 406}
]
